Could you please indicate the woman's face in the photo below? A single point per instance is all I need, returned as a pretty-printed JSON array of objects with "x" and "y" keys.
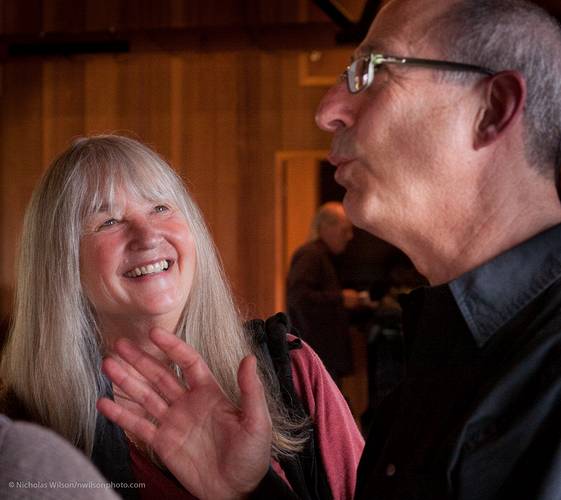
[{"x": 137, "y": 261}]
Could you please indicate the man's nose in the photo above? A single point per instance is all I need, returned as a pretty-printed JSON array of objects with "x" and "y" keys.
[
  {"x": 335, "y": 109},
  {"x": 144, "y": 235}
]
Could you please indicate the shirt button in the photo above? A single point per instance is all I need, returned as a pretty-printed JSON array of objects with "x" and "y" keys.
[{"x": 390, "y": 470}]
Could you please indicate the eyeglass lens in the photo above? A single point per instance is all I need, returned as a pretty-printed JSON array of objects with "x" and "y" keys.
[{"x": 358, "y": 74}]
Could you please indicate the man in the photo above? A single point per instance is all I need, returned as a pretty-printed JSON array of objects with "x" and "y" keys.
[
  {"x": 316, "y": 301},
  {"x": 457, "y": 165},
  {"x": 457, "y": 168}
]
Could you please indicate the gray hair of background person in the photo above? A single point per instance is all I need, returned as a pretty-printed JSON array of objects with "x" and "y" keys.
[
  {"x": 326, "y": 215},
  {"x": 512, "y": 35},
  {"x": 53, "y": 354}
]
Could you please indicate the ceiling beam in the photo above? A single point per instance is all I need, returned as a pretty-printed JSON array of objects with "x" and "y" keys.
[
  {"x": 287, "y": 36},
  {"x": 350, "y": 32}
]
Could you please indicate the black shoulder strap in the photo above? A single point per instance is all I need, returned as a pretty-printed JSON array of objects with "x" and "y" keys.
[
  {"x": 305, "y": 472},
  {"x": 111, "y": 454}
]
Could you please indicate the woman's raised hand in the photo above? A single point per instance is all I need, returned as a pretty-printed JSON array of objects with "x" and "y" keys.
[{"x": 213, "y": 448}]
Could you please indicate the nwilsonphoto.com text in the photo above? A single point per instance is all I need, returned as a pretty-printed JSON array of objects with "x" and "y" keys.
[{"x": 72, "y": 485}]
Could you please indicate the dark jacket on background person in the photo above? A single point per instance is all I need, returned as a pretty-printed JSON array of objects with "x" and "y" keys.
[{"x": 315, "y": 306}]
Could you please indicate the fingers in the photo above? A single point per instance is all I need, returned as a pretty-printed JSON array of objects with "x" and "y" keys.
[
  {"x": 195, "y": 370},
  {"x": 127, "y": 420},
  {"x": 253, "y": 401},
  {"x": 149, "y": 367},
  {"x": 136, "y": 389}
]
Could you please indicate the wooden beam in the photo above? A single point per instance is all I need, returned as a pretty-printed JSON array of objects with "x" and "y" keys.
[{"x": 290, "y": 36}]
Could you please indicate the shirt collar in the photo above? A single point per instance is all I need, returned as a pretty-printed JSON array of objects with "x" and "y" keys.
[{"x": 492, "y": 294}]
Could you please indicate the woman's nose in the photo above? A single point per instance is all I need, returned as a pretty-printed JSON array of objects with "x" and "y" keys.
[
  {"x": 335, "y": 110},
  {"x": 144, "y": 235}
]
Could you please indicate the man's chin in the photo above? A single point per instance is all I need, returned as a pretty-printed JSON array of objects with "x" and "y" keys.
[{"x": 354, "y": 208}]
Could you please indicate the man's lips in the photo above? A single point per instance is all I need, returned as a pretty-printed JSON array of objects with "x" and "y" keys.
[{"x": 338, "y": 160}]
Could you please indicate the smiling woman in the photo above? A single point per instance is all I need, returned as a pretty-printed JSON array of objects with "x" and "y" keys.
[
  {"x": 116, "y": 262},
  {"x": 137, "y": 259}
]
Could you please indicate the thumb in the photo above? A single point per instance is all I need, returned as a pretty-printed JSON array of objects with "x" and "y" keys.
[{"x": 253, "y": 401}]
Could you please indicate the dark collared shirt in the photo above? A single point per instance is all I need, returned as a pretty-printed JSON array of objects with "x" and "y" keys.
[{"x": 478, "y": 415}]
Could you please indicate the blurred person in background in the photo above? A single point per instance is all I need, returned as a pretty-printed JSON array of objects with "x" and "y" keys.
[{"x": 317, "y": 303}]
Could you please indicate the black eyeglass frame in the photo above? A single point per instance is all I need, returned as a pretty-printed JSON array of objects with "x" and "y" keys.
[{"x": 376, "y": 60}]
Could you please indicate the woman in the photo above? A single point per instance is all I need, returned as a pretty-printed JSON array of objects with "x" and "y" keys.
[{"x": 113, "y": 247}]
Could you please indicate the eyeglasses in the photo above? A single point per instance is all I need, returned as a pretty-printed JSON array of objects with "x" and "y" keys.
[{"x": 360, "y": 73}]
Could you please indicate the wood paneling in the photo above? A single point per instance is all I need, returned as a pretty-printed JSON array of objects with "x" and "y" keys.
[
  {"x": 218, "y": 111},
  {"x": 62, "y": 104},
  {"x": 36, "y": 16},
  {"x": 101, "y": 94},
  {"x": 21, "y": 17},
  {"x": 21, "y": 157},
  {"x": 219, "y": 117}
]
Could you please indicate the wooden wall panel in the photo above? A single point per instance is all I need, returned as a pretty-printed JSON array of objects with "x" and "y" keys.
[
  {"x": 219, "y": 117},
  {"x": 208, "y": 136},
  {"x": 72, "y": 16},
  {"x": 225, "y": 222},
  {"x": 298, "y": 107},
  {"x": 263, "y": 113},
  {"x": 21, "y": 160},
  {"x": 63, "y": 104},
  {"x": 36, "y": 16},
  {"x": 102, "y": 14},
  {"x": 63, "y": 16},
  {"x": 101, "y": 94},
  {"x": 208, "y": 13},
  {"x": 273, "y": 12},
  {"x": 144, "y": 99},
  {"x": 21, "y": 17}
]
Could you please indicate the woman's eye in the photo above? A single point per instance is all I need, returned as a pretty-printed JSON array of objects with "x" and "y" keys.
[
  {"x": 161, "y": 208},
  {"x": 108, "y": 223}
]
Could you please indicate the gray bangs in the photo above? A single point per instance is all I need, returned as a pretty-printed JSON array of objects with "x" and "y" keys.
[{"x": 104, "y": 166}]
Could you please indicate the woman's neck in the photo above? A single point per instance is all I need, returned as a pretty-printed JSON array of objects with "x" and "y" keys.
[{"x": 136, "y": 331}]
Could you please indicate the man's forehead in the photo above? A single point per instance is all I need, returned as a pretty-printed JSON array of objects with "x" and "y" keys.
[
  {"x": 407, "y": 9},
  {"x": 401, "y": 27}
]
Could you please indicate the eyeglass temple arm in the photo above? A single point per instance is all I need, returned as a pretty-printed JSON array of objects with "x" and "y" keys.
[{"x": 445, "y": 65}]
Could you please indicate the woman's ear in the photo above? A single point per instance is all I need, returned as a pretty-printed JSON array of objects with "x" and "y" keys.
[{"x": 505, "y": 97}]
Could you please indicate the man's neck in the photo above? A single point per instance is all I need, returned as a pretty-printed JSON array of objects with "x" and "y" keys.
[{"x": 500, "y": 222}]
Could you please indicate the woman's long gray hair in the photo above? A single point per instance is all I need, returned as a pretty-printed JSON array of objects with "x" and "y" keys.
[{"x": 53, "y": 355}]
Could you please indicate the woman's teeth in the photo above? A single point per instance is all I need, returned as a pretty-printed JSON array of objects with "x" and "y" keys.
[{"x": 157, "y": 267}]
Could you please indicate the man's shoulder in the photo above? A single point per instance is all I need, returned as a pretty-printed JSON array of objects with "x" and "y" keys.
[
  {"x": 310, "y": 246},
  {"x": 311, "y": 249}
]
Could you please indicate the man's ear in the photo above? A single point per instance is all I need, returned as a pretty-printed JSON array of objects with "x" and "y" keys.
[{"x": 505, "y": 96}]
